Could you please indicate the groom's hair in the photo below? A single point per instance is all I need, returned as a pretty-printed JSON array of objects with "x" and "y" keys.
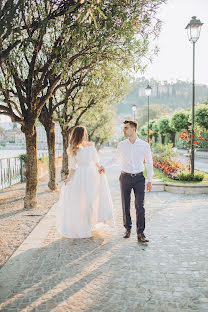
[{"x": 133, "y": 123}]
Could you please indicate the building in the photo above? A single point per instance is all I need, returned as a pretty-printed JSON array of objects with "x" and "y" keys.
[{"x": 15, "y": 136}]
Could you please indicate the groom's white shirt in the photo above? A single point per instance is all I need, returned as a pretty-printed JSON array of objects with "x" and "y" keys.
[{"x": 132, "y": 157}]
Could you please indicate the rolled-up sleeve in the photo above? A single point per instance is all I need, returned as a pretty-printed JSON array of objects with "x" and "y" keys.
[
  {"x": 114, "y": 159},
  {"x": 149, "y": 162}
]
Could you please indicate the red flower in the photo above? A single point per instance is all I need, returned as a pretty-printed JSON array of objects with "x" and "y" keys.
[
  {"x": 201, "y": 139},
  {"x": 184, "y": 132}
]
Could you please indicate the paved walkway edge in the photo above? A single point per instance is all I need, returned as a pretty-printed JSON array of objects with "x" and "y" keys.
[
  {"x": 179, "y": 188},
  {"x": 11, "y": 271}
]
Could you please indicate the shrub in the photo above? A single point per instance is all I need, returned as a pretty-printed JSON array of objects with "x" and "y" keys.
[
  {"x": 23, "y": 157},
  {"x": 166, "y": 151},
  {"x": 186, "y": 176}
]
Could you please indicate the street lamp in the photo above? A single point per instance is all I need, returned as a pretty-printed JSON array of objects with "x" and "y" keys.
[
  {"x": 193, "y": 29},
  {"x": 148, "y": 91},
  {"x": 134, "y": 110}
]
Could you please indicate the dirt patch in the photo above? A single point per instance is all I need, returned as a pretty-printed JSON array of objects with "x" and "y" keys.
[{"x": 16, "y": 223}]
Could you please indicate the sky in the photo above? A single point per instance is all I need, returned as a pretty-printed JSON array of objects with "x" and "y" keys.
[{"x": 175, "y": 57}]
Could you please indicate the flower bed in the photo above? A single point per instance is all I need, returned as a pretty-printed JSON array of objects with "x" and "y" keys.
[
  {"x": 168, "y": 167},
  {"x": 175, "y": 170}
]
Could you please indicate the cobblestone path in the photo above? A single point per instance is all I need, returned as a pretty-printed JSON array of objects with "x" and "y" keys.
[{"x": 107, "y": 273}]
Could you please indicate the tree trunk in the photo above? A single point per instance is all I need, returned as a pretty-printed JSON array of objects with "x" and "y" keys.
[
  {"x": 163, "y": 139},
  {"x": 50, "y": 133},
  {"x": 65, "y": 161},
  {"x": 30, "y": 200},
  {"x": 46, "y": 118},
  {"x": 156, "y": 137},
  {"x": 173, "y": 138}
]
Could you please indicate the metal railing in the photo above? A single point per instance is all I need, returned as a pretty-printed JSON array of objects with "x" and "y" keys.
[
  {"x": 45, "y": 153},
  {"x": 11, "y": 169}
]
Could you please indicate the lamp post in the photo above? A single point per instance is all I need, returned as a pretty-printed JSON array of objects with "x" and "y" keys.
[
  {"x": 193, "y": 29},
  {"x": 134, "y": 111},
  {"x": 148, "y": 91}
]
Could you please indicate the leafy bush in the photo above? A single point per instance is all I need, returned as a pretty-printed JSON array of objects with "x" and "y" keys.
[
  {"x": 23, "y": 157},
  {"x": 186, "y": 176},
  {"x": 201, "y": 115},
  {"x": 166, "y": 151}
]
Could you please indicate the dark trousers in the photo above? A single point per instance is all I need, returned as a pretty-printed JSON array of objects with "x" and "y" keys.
[{"x": 137, "y": 183}]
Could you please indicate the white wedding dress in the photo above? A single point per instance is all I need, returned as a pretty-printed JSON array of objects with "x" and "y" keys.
[{"x": 85, "y": 200}]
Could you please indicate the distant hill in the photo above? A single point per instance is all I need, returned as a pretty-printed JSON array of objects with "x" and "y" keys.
[{"x": 174, "y": 95}]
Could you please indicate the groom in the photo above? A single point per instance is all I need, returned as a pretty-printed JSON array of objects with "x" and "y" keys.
[{"x": 133, "y": 152}]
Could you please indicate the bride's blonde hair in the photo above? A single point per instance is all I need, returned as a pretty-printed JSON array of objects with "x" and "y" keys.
[{"x": 76, "y": 138}]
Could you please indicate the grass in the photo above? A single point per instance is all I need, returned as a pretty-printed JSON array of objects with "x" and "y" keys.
[
  {"x": 158, "y": 175},
  {"x": 43, "y": 158}
]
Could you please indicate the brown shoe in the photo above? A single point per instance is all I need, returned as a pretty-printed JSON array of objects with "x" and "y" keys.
[
  {"x": 141, "y": 238},
  {"x": 127, "y": 233}
]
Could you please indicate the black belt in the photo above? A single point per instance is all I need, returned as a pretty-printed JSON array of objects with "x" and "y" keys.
[{"x": 132, "y": 174}]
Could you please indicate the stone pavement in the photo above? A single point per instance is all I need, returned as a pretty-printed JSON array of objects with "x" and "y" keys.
[{"x": 107, "y": 273}]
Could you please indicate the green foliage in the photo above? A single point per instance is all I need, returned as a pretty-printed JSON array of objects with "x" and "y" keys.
[
  {"x": 201, "y": 115},
  {"x": 143, "y": 132},
  {"x": 165, "y": 151},
  {"x": 100, "y": 124},
  {"x": 43, "y": 158},
  {"x": 159, "y": 175},
  {"x": 23, "y": 157},
  {"x": 106, "y": 88},
  {"x": 74, "y": 39},
  {"x": 164, "y": 126},
  {"x": 155, "y": 112},
  {"x": 153, "y": 125},
  {"x": 174, "y": 95},
  {"x": 180, "y": 121},
  {"x": 186, "y": 176}
]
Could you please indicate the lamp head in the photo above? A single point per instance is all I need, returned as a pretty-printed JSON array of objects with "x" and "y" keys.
[
  {"x": 193, "y": 29},
  {"x": 148, "y": 90}
]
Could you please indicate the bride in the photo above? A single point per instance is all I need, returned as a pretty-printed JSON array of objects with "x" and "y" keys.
[{"x": 85, "y": 198}]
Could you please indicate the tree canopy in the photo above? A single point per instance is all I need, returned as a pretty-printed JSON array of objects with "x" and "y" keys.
[{"x": 201, "y": 115}]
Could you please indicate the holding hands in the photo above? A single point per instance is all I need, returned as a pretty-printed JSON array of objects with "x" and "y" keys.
[
  {"x": 67, "y": 180},
  {"x": 101, "y": 170},
  {"x": 149, "y": 186}
]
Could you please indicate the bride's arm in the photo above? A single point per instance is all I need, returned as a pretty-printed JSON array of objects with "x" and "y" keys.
[
  {"x": 96, "y": 160},
  {"x": 98, "y": 166},
  {"x": 72, "y": 161}
]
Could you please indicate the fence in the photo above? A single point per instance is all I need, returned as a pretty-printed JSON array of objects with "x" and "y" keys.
[
  {"x": 11, "y": 169},
  {"x": 45, "y": 153}
]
